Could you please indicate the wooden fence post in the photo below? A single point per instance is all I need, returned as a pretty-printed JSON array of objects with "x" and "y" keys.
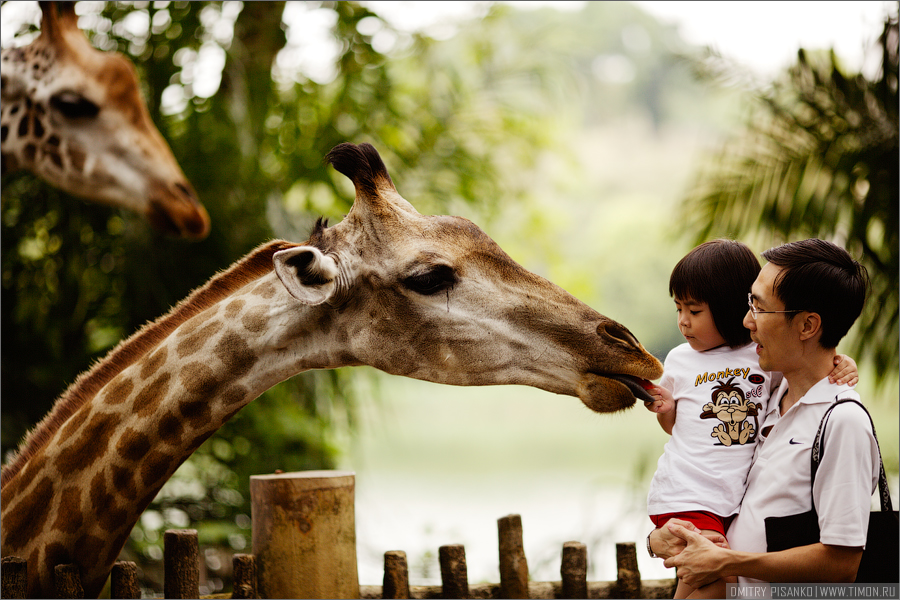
[
  {"x": 573, "y": 570},
  {"x": 243, "y": 568},
  {"x": 67, "y": 580},
  {"x": 628, "y": 579},
  {"x": 454, "y": 574},
  {"x": 396, "y": 575},
  {"x": 513, "y": 565},
  {"x": 15, "y": 577},
  {"x": 304, "y": 534},
  {"x": 123, "y": 581},
  {"x": 181, "y": 563}
]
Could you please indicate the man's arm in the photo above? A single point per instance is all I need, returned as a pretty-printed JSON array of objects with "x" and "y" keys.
[{"x": 702, "y": 562}]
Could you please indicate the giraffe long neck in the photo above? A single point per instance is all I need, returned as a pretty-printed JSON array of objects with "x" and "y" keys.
[{"x": 90, "y": 469}]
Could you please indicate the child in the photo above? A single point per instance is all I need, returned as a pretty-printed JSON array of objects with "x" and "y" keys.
[{"x": 720, "y": 392}]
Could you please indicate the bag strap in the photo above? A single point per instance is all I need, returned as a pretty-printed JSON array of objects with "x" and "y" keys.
[{"x": 819, "y": 447}]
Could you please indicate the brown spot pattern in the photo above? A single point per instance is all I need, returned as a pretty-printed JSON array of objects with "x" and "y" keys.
[
  {"x": 199, "y": 379},
  {"x": 75, "y": 421},
  {"x": 195, "y": 411},
  {"x": 233, "y": 395},
  {"x": 154, "y": 362},
  {"x": 255, "y": 319},
  {"x": 118, "y": 390},
  {"x": 266, "y": 289},
  {"x": 87, "y": 549},
  {"x": 170, "y": 429},
  {"x": 234, "y": 308},
  {"x": 236, "y": 354},
  {"x": 195, "y": 341},
  {"x": 155, "y": 468},
  {"x": 123, "y": 481},
  {"x": 69, "y": 518},
  {"x": 133, "y": 445},
  {"x": 147, "y": 400},
  {"x": 90, "y": 446},
  {"x": 28, "y": 516}
]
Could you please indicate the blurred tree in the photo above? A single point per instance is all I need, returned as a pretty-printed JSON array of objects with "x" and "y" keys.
[{"x": 819, "y": 158}]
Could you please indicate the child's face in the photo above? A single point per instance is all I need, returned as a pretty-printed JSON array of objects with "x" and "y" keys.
[{"x": 695, "y": 321}]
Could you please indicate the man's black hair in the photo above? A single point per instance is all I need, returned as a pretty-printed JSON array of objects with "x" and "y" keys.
[{"x": 820, "y": 277}]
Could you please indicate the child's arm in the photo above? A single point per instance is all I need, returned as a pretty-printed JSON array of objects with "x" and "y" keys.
[
  {"x": 664, "y": 406},
  {"x": 845, "y": 371}
]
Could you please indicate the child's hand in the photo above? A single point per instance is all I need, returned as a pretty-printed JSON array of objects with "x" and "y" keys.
[
  {"x": 663, "y": 402},
  {"x": 845, "y": 371}
]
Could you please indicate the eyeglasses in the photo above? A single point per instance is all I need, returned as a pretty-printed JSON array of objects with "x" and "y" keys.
[{"x": 755, "y": 311}]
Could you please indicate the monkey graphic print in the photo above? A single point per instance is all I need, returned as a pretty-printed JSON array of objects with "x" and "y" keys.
[{"x": 721, "y": 395}]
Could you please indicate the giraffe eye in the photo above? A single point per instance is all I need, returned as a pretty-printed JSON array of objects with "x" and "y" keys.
[
  {"x": 73, "y": 105},
  {"x": 431, "y": 282}
]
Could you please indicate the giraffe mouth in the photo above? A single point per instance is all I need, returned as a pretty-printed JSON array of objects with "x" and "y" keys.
[{"x": 635, "y": 385}]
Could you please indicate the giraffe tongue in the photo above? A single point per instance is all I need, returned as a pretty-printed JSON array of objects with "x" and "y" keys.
[{"x": 636, "y": 386}]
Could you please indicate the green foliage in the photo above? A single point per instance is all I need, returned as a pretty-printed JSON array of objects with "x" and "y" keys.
[{"x": 819, "y": 158}]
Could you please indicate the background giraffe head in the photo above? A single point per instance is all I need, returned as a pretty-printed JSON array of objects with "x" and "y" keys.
[{"x": 74, "y": 116}]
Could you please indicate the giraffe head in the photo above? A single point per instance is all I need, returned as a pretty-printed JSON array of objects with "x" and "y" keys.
[
  {"x": 74, "y": 116},
  {"x": 434, "y": 298}
]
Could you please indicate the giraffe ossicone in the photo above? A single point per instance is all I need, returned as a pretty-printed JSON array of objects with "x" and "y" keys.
[
  {"x": 428, "y": 297},
  {"x": 74, "y": 116}
]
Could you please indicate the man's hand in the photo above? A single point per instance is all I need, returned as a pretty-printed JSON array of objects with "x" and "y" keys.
[{"x": 700, "y": 561}]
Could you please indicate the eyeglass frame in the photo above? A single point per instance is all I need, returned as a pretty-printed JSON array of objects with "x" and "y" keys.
[{"x": 755, "y": 311}]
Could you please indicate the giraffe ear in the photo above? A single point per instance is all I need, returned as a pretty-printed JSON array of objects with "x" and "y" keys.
[{"x": 307, "y": 273}]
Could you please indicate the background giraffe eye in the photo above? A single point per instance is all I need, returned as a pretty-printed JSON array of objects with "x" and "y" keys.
[{"x": 73, "y": 105}]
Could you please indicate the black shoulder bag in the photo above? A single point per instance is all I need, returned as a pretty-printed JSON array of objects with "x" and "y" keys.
[{"x": 881, "y": 557}]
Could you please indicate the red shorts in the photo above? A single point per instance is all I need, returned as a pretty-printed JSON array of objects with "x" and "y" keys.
[{"x": 700, "y": 518}]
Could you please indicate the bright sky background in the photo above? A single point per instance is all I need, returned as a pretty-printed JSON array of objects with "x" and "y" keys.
[{"x": 762, "y": 35}]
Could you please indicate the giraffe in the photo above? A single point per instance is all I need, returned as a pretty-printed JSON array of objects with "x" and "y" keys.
[
  {"x": 74, "y": 116},
  {"x": 427, "y": 297}
]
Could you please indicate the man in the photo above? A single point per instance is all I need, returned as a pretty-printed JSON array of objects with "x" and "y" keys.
[{"x": 801, "y": 304}]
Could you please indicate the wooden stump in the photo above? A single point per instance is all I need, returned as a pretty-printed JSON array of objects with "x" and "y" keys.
[
  {"x": 513, "y": 566},
  {"x": 181, "y": 563},
  {"x": 67, "y": 579},
  {"x": 15, "y": 577},
  {"x": 454, "y": 572},
  {"x": 628, "y": 580},
  {"x": 243, "y": 568},
  {"x": 123, "y": 581},
  {"x": 396, "y": 575},
  {"x": 304, "y": 534},
  {"x": 573, "y": 570}
]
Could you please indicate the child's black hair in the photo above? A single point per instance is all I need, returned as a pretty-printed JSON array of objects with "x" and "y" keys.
[{"x": 720, "y": 273}]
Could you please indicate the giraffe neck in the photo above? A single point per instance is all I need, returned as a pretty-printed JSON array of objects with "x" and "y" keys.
[{"x": 90, "y": 469}]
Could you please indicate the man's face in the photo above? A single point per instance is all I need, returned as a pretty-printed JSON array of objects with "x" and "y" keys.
[{"x": 778, "y": 345}]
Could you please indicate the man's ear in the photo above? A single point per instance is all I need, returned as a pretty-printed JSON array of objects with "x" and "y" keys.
[
  {"x": 809, "y": 325},
  {"x": 307, "y": 273}
]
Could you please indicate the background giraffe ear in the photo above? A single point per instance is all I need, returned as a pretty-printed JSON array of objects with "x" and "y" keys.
[{"x": 307, "y": 274}]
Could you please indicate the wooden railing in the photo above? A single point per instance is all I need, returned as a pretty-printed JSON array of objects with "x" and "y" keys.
[{"x": 182, "y": 556}]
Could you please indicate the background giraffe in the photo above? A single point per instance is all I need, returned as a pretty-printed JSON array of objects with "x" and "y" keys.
[
  {"x": 74, "y": 116},
  {"x": 428, "y": 297}
]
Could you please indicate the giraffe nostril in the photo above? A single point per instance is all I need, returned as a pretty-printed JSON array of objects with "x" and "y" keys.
[{"x": 186, "y": 191}]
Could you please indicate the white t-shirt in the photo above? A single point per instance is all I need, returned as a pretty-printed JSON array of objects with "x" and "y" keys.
[
  {"x": 721, "y": 396},
  {"x": 778, "y": 483}
]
